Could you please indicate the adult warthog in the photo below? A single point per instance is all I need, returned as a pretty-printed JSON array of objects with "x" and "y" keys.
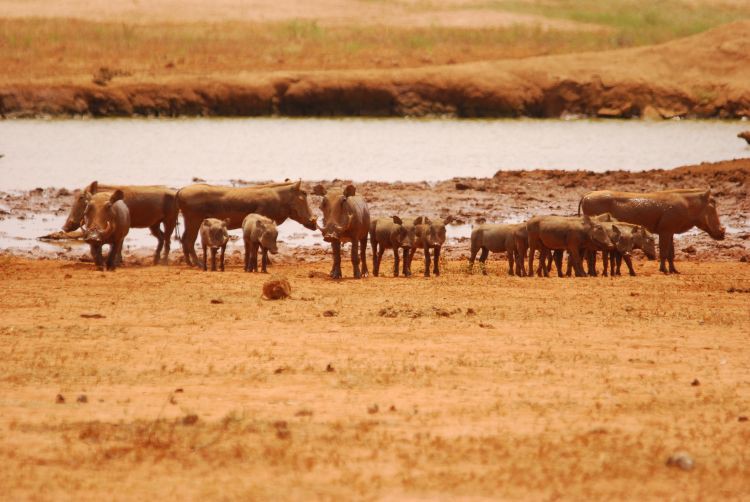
[
  {"x": 346, "y": 218},
  {"x": 106, "y": 220},
  {"x": 277, "y": 201},
  {"x": 664, "y": 213},
  {"x": 149, "y": 207}
]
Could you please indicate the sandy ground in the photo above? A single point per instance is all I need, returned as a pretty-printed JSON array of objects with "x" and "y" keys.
[{"x": 458, "y": 386}]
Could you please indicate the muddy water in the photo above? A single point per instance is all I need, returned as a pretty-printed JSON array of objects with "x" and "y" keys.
[{"x": 71, "y": 153}]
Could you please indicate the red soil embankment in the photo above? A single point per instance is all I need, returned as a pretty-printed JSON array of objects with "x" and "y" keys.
[{"x": 706, "y": 75}]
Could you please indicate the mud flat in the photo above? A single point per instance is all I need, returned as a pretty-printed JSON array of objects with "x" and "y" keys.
[
  {"x": 178, "y": 383},
  {"x": 704, "y": 75}
]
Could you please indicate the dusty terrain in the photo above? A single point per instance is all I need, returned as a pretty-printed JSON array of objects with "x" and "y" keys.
[
  {"x": 178, "y": 383},
  {"x": 463, "y": 59}
]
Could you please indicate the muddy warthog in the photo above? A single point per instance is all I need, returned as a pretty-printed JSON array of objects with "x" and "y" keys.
[
  {"x": 430, "y": 234},
  {"x": 571, "y": 234},
  {"x": 106, "y": 220},
  {"x": 149, "y": 206},
  {"x": 493, "y": 238},
  {"x": 258, "y": 231},
  {"x": 389, "y": 233},
  {"x": 664, "y": 213},
  {"x": 277, "y": 201},
  {"x": 346, "y": 218},
  {"x": 635, "y": 237},
  {"x": 214, "y": 235}
]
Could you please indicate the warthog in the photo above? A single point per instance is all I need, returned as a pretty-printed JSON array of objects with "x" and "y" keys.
[
  {"x": 389, "y": 233},
  {"x": 571, "y": 234},
  {"x": 258, "y": 231},
  {"x": 496, "y": 239},
  {"x": 346, "y": 218},
  {"x": 149, "y": 206},
  {"x": 664, "y": 213},
  {"x": 430, "y": 234},
  {"x": 214, "y": 235},
  {"x": 277, "y": 201},
  {"x": 635, "y": 237},
  {"x": 106, "y": 220}
]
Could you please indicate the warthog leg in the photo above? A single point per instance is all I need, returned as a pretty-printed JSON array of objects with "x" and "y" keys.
[
  {"x": 672, "y": 269},
  {"x": 205, "y": 259},
  {"x": 156, "y": 232},
  {"x": 363, "y": 256},
  {"x": 336, "y": 271},
  {"x": 436, "y": 261},
  {"x": 355, "y": 259},
  {"x": 396, "y": 260},
  {"x": 96, "y": 254},
  {"x": 264, "y": 261},
  {"x": 381, "y": 250},
  {"x": 665, "y": 243},
  {"x": 223, "y": 249},
  {"x": 407, "y": 262},
  {"x": 114, "y": 251},
  {"x": 188, "y": 242},
  {"x": 426, "y": 261},
  {"x": 483, "y": 259}
]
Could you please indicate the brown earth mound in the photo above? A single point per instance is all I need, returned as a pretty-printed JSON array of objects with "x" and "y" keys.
[{"x": 706, "y": 75}]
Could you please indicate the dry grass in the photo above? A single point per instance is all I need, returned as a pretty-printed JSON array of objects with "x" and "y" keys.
[{"x": 461, "y": 385}]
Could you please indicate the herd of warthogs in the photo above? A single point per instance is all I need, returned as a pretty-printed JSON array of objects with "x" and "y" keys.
[{"x": 613, "y": 223}]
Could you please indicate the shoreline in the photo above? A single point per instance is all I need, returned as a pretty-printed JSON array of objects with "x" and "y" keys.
[{"x": 702, "y": 76}]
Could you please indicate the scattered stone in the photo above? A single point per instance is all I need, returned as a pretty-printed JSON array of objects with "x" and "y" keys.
[
  {"x": 178, "y": 390},
  {"x": 59, "y": 399},
  {"x": 470, "y": 311},
  {"x": 695, "y": 383},
  {"x": 330, "y": 368},
  {"x": 388, "y": 312},
  {"x": 82, "y": 399},
  {"x": 330, "y": 313},
  {"x": 373, "y": 409},
  {"x": 280, "y": 370},
  {"x": 681, "y": 460},
  {"x": 738, "y": 290},
  {"x": 463, "y": 186},
  {"x": 304, "y": 413},
  {"x": 190, "y": 419},
  {"x": 277, "y": 288},
  {"x": 742, "y": 418},
  {"x": 486, "y": 325},
  {"x": 392, "y": 408},
  {"x": 92, "y": 316},
  {"x": 217, "y": 301},
  {"x": 282, "y": 429},
  {"x": 690, "y": 250},
  {"x": 196, "y": 179}
]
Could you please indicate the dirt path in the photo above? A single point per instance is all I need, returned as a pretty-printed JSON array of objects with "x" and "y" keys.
[{"x": 461, "y": 385}]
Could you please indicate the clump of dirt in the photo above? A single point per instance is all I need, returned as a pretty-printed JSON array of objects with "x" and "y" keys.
[{"x": 277, "y": 288}]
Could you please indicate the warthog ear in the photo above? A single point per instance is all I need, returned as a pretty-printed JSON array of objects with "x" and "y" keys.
[
  {"x": 319, "y": 189},
  {"x": 206, "y": 223},
  {"x": 116, "y": 195},
  {"x": 93, "y": 187},
  {"x": 397, "y": 220},
  {"x": 616, "y": 231},
  {"x": 296, "y": 185},
  {"x": 349, "y": 191},
  {"x": 419, "y": 220}
]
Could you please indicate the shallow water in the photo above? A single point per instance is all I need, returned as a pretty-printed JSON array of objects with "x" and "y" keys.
[{"x": 71, "y": 153}]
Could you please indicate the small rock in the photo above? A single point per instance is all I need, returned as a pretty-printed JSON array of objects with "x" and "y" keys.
[
  {"x": 196, "y": 179},
  {"x": 217, "y": 301},
  {"x": 463, "y": 186},
  {"x": 282, "y": 429},
  {"x": 280, "y": 370},
  {"x": 189, "y": 419},
  {"x": 82, "y": 398},
  {"x": 330, "y": 313},
  {"x": 690, "y": 250},
  {"x": 59, "y": 399},
  {"x": 742, "y": 418},
  {"x": 695, "y": 383},
  {"x": 330, "y": 368},
  {"x": 392, "y": 408},
  {"x": 92, "y": 316},
  {"x": 470, "y": 311},
  {"x": 304, "y": 413},
  {"x": 373, "y": 409},
  {"x": 68, "y": 276},
  {"x": 277, "y": 288},
  {"x": 681, "y": 460}
]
